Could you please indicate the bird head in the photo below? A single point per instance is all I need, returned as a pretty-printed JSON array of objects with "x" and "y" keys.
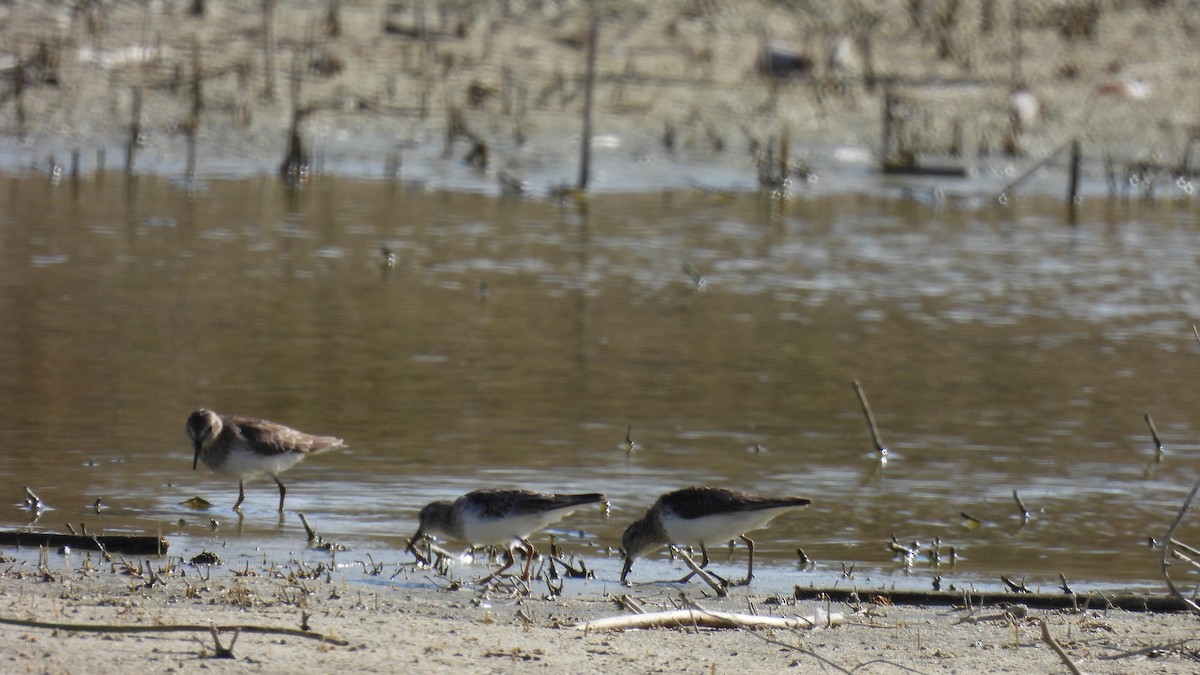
[{"x": 203, "y": 427}]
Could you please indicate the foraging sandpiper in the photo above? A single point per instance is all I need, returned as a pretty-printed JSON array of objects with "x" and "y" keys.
[
  {"x": 703, "y": 515},
  {"x": 498, "y": 517},
  {"x": 247, "y": 447}
]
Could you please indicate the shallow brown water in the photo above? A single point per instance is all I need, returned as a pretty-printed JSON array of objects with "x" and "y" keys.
[{"x": 1001, "y": 350}]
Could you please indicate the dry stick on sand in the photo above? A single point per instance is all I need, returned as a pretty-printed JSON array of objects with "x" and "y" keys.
[
  {"x": 866, "y": 407},
  {"x": 1062, "y": 654},
  {"x": 702, "y": 618},
  {"x": 180, "y": 628},
  {"x": 721, "y": 589}
]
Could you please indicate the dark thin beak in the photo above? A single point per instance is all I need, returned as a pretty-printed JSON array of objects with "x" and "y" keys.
[
  {"x": 196, "y": 459},
  {"x": 625, "y": 570}
]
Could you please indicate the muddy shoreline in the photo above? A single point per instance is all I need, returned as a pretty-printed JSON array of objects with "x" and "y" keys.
[
  {"x": 488, "y": 96},
  {"x": 380, "y": 616}
]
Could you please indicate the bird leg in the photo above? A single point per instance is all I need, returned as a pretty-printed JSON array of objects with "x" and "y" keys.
[
  {"x": 509, "y": 561},
  {"x": 237, "y": 506},
  {"x": 750, "y": 564},
  {"x": 282, "y": 492}
]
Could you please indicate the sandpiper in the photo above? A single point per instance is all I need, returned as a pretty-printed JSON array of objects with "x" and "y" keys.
[
  {"x": 703, "y": 515},
  {"x": 247, "y": 447},
  {"x": 498, "y": 517}
]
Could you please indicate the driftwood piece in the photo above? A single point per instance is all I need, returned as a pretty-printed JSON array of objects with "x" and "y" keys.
[
  {"x": 678, "y": 618},
  {"x": 177, "y": 628},
  {"x": 1080, "y": 600},
  {"x": 113, "y": 543}
]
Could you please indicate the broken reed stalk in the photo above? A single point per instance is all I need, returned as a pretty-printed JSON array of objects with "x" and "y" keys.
[
  {"x": 177, "y": 628},
  {"x": 866, "y": 408},
  {"x": 1168, "y": 540},
  {"x": 1033, "y": 169},
  {"x": 1159, "y": 451},
  {"x": 1168, "y": 543},
  {"x": 135, "y": 129},
  {"x": 585, "y": 145},
  {"x": 1021, "y": 505},
  {"x": 687, "y": 618},
  {"x": 1058, "y": 649},
  {"x": 707, "y": 578},
  {"x": 296, "y": 161},
  {"x": 268, "y": 33},
  {"x": 311, "y": 533},
  {"x": 32, "y": 500},
  {"x": 1066, "y": 588},
  {"x": 192, "y": 126},
  {"x": 1073, "y": 186},
  {"x": 630, "y": 603}
]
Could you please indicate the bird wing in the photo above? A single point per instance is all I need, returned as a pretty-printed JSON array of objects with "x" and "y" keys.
[
  {"x": 280, "y": 439},
  {"x": 697, "y": 502},
  {"x": 500, "y": 502}
]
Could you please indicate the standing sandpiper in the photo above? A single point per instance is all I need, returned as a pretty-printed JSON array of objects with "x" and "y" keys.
[
  {"x": 498, "y": 518},
  {"x": 247, "y": 447},
  {"x": 703, "y": 515}
]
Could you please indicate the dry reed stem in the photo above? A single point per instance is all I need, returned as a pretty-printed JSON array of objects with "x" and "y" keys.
[
  {"x": 1058, "y": 649},
  {"x": 718, "y": 587},
  {"x": 702, "y": 618},
  {"x": 179, "y": 628}
]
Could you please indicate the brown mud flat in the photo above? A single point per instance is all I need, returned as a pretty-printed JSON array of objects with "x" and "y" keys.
[{"x": 488, "y": 95}]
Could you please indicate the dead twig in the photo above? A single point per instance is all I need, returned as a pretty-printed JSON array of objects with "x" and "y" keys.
[
  {"x": 1171, "y": 547},
  {"x": 866, "y": 408},
  {"x": 693, "y": 616},
  {"x": 1159, "y": 450},
  {"x": 1014, "y": 586},
  {"x": 721, "y": 589},
  {"x": 224, "y": 652},
  {"x": 630, "y": 603},
  {"x": 1058, "y": 649},
  {"x": 313, "y": 537},
  {"x": 177, "y": 628},
  {"x": 1021, "y": 506},
  {"x": 1147, "y": 650}
]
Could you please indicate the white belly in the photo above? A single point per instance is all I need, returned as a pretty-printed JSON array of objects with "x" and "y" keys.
[
  {"x": 504, "y": 531},
  {"x": 719, "y": 528},
  {"x": 248, "y": 464}
]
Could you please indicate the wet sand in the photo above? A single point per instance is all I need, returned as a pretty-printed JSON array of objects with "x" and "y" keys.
[{"x": 410, "y": 621}]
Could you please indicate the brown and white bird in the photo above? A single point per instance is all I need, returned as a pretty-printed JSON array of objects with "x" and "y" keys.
[
  {"x": 703, "y": 515},
  {"x": 498, "y": 517},
  {"x": 248, "y": 447}
]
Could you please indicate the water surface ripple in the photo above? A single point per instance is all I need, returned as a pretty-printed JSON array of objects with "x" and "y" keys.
[{"x": 514, "y": 342}]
